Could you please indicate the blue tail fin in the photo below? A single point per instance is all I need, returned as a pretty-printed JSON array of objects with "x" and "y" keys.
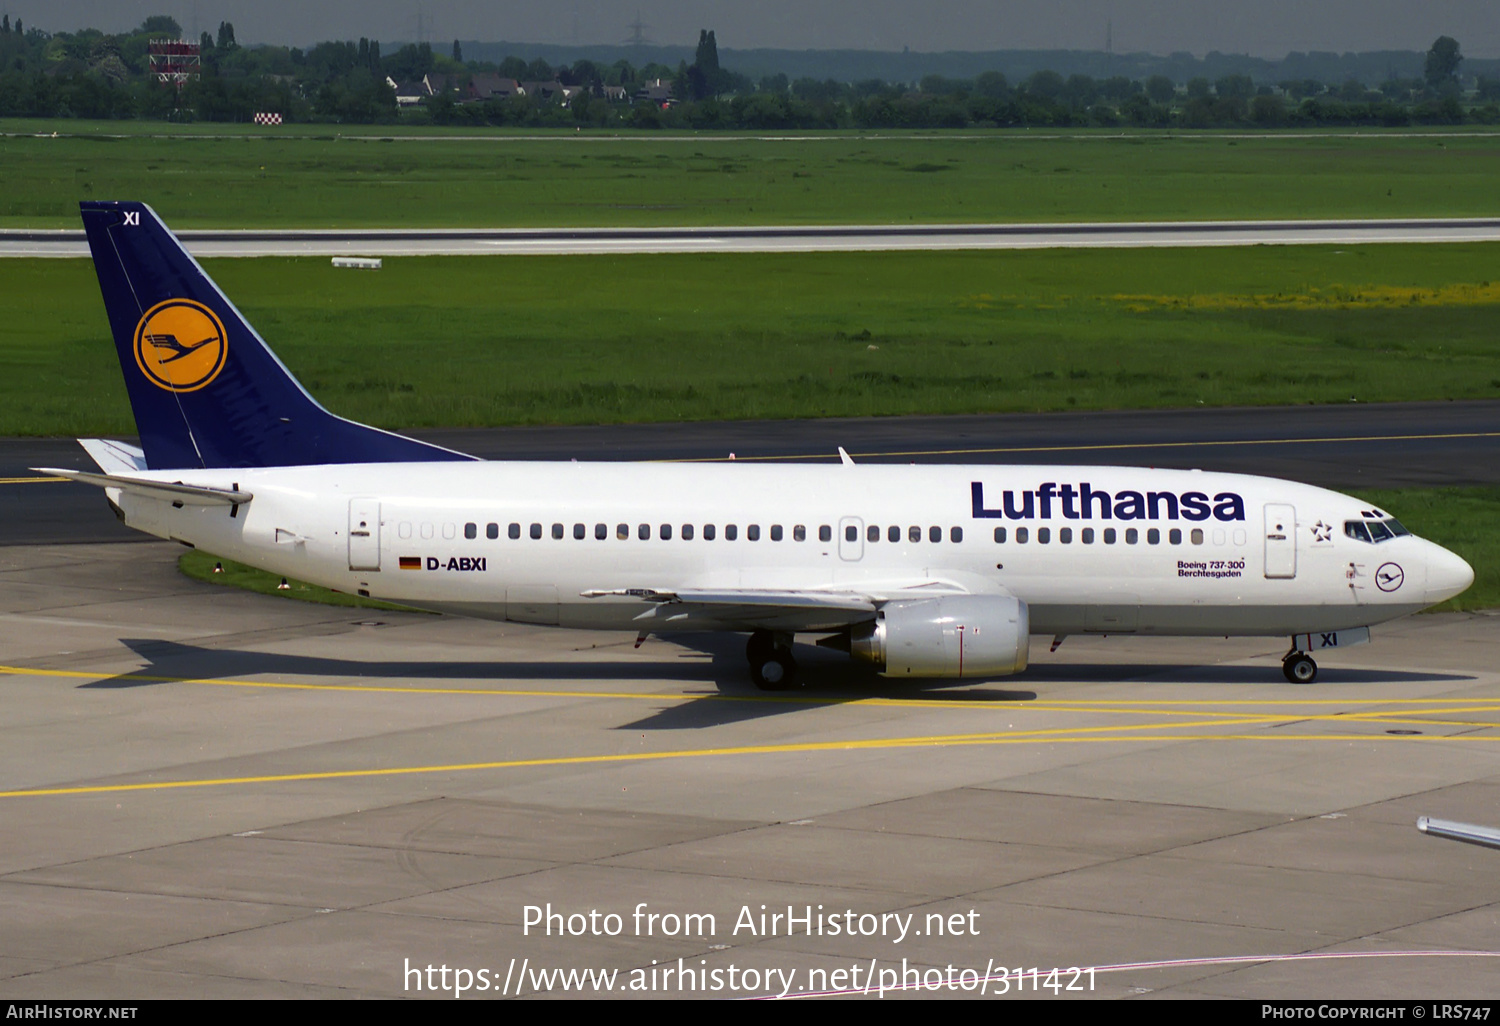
[{"x": 205, "y": 389}]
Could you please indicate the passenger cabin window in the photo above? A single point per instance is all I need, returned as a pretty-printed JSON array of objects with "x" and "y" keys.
[
  {"x": 1065, "y": 535},
  {"x": 1087, "y": 535},
  {"x": 708, "y": 532},
  {"x": 471, "y": 531},
  {"x": 450, "y": 531},
  {"x": 752, "y": 533},
  {"x": 557, "y": 532},
  {"x": 514, "y": 530},
  {"x": 403, "y": 529},
  {"x": 1022, "y": 534},
  {"x": 914, "y": 534},
  {"x": 893, "y": 533},
  {"x": 1197, "y": 536},
  {"x": 601, "y": 531},
  {"x": 731, "y": 532},
  {"x": 1153, "y": 537},
  {"x": 687, "y": 532},
  {"x": 426, "y": 530},
  {"x": 1132, "y": 536},
  {"x": 955, "y": 534},
  {"x": 934, "y": 534},
  {"x": 492, "y": 531},
  {"x": 622, "y": 532},
  {"x": 872, "y": 533},
  {"x": 1109, "y": 536},
  {"x": 536, "y": 530},
  {"x": 1043, "y": 535},
  {"x": 579, "y": 532},
  {"x": 665, "y": 534},
  {"x": 644, "y": 532},
  {"x": 776, "y": 532},
  {"x": 1174, "y": 536},
  {"x": 1000, "y": 535},
  {"x": 851, "y": 533},
  {"x": 799, "y": 533}
]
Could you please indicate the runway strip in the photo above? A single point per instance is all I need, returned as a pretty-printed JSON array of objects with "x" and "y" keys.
[{"x": 779, "y": 239}]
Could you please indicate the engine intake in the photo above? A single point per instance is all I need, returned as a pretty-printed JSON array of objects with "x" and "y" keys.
[{"x": 950, "y": 636}]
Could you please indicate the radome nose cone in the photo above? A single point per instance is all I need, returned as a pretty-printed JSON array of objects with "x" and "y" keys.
[{"x": 1448, "y": 574}]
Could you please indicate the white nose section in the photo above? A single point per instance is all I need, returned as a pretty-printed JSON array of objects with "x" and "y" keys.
[{"x": 1447, "y": 575}]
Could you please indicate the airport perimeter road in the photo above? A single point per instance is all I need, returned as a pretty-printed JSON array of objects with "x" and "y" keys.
[
  {"x": 786, "y": 239},
  {"x": 1342, "y": 447},
  {"x": 208, "y": 793}
]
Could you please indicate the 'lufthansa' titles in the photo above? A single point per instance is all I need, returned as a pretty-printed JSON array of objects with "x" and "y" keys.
[{"x": 1082, "y": 502}]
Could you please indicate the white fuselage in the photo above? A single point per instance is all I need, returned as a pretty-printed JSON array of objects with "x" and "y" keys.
[{"x": 1089, "y": 549}]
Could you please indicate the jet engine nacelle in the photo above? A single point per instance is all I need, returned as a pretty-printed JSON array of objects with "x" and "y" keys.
[{"x": 950, "y": 636}]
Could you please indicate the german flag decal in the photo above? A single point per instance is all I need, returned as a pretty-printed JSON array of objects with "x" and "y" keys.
[{"x": 411, "y": 562}]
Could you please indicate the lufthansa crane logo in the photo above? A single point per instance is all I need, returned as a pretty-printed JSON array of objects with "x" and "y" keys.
[
  {"x": 1389, "y": 577},
  {"x": 180, "y": 345}
]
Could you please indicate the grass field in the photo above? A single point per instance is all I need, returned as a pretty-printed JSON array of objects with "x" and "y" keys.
[
  {"x": 436, "y": 342},
  {"x": 288, "y": 178}
]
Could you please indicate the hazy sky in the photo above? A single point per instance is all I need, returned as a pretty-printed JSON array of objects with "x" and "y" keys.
[{"x": 1266, "y": 28}]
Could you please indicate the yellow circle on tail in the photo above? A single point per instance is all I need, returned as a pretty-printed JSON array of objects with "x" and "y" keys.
[{"x": 180, "y": 345}]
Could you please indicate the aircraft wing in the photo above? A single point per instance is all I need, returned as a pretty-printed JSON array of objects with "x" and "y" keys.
[
  {"x": 171, "y": 491},
  {"x": 748, "y": 609}
]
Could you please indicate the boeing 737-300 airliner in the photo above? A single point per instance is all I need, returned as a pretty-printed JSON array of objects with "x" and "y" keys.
[{"x": 922, "y": 571}]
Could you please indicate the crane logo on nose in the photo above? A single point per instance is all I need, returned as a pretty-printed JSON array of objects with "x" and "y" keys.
[{"x": 1389, "y": 577}]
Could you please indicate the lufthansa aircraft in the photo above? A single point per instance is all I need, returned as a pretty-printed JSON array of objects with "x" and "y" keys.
[{"x": 922, "y": 571}]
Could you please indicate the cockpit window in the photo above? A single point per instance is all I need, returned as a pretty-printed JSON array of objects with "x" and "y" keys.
[{"x": 1375, "y": 531}]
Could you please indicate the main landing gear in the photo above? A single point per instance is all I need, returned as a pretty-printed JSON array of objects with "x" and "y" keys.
[
  {"x": 772, "y": 667},
  {"x": 1299, "y": 667}
]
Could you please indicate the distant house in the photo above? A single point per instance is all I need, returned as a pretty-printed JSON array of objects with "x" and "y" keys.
[
  {"x": 408, "y": 94},
  {"x": 657, "y": 91},
  {"x": 548, "y": 91},
  {"x": 437, "y": 83},
  {"x": 616, "y": 94},
  {"x": 487, "y": 85}
]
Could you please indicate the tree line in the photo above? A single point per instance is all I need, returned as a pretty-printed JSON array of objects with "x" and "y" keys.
[{"x": 90, "y": 74}]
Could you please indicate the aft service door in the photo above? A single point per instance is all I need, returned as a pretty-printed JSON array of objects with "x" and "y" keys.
[
  {"x": 364, "y": 534},
  {"x": 851, "y": 539},
  {"x": 1281, "y": 540}
]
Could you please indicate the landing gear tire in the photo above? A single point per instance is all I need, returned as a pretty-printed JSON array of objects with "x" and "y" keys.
[
  {"x": 777, "y": 672},
  {"x": 760, "y": 647},
  {"x": 772, "y": 667},
  {"x": 1299, "y": 668}
]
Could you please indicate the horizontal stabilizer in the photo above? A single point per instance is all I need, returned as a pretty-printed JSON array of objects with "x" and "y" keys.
[
  {"x": 171, "y": 491},
  {"x": 114, "y": 457}
]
